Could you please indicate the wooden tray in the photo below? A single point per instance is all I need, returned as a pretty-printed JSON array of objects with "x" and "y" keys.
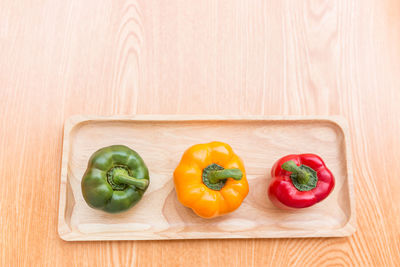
[{"x": 161, "y": 140}]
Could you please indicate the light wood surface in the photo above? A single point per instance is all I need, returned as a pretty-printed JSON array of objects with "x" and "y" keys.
[
  {"x": 161, "y": 141},
  {"x": 59, "y": 58}
]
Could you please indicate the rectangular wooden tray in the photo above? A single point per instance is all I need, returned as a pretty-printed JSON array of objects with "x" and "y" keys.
[{"x": 161, "y": 140}]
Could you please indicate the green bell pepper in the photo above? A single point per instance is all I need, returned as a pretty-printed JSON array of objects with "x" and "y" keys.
[{"x": 115, "y": 179}]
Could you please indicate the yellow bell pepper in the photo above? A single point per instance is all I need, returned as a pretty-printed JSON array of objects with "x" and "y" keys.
[{"x": 211, "y": 179}]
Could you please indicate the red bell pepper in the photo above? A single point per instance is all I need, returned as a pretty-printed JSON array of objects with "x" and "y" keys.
[{"x": 300, "y": 181}]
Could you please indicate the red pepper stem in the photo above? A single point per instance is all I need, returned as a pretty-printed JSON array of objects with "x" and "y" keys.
[{"x": 302, "y": 175}]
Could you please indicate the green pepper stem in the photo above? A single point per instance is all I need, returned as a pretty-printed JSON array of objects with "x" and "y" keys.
[
  {"x": 122, "y": 178},
  {"x": 218, "y": 175},
  {"x": 302, "y": 175}
]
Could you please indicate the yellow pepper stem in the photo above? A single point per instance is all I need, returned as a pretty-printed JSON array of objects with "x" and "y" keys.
[{"x": 218, "y": 175}]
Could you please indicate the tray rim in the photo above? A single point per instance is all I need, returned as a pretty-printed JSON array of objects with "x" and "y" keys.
[{"x": 71, "y": 122}]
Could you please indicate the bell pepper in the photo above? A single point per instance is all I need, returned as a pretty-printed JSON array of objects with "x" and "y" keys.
[
  {"x": 300, "y": 181},
  {"x": 115, "y": 179},
  {"x": 211, "y": 179}
]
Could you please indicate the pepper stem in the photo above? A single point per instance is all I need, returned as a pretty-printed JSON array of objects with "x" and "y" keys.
[
  {"x": 303, "y": 176},
  {"x": 121, "y": 177},
  {"x": 218, "y": 175}
]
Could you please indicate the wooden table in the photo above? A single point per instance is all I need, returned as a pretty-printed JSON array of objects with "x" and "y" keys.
[{"x": 59, "y": 58}]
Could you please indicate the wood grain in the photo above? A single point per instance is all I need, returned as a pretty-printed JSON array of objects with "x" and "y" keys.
[
  {"x": 59, "y": 58},
  {"x": 161, "y": 141}
]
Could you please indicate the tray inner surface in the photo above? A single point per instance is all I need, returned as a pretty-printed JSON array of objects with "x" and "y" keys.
[{"x": 161, "y": 144}]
